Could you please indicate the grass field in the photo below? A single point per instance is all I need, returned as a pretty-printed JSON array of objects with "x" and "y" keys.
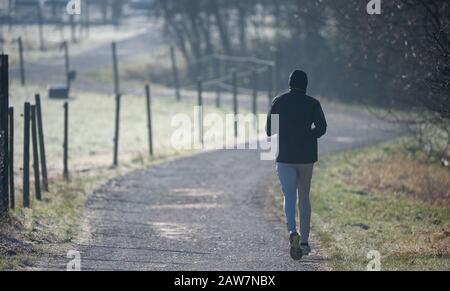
[
  {"x": 366, "y": 200},
  {"x": 53, "y": 36},
  {"x": 92, "y": 126},
  {"x": 91, "y": 129},
  {"x": 30, "y": 233},
  {"x": 150, "y": 65}
]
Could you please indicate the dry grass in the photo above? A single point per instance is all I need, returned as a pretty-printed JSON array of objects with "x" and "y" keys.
[
  {"x": 402, "y": 174},
  {"x": 380, "y": 198},
  {"x": 430, "y": 243},
  {"x": 26, "y": 235}
]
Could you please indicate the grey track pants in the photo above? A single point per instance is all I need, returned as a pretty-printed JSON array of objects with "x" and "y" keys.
[{"x": 295, "y": 179}]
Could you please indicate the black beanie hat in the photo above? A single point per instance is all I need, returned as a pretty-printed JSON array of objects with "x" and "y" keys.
[{"x": 298, "y": 80}]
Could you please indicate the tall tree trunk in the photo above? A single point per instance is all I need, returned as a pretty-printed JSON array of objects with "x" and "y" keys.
[
  {"x": 223, "y": 31},
  {"x": 205, "y": 27},
  {"x": 242, "y": 15},
  {"x": 192, "y": 10}
]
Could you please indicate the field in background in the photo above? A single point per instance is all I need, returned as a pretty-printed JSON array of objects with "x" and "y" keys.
[
  {"x": 91, "y": 126},
  {"x": 54, "y": 35},
  {"x": 141, "y": 67},
  {"x": 381, "y": 198}
]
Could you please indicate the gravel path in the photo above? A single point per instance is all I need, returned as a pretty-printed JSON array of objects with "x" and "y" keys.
[{"x": 209, "y": 211}]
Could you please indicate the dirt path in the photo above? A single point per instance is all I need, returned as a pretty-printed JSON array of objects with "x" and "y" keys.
[{"x": 210, "y": 211}]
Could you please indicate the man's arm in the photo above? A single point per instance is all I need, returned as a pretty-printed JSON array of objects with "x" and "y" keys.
[
  {"x": 273, "y": 110},
  {"x": 319, "y": 121}
]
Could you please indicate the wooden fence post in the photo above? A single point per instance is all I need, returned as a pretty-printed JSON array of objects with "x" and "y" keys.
[
  {"x": 235, "y": 103},
  {"x": 200, "y": 112},
  {"x": 176, "y": 78},
  {"x": 4, "y": 127},
  {"x": 21, "y": 62},
  {"x": 66, "y": 141},
  {"x": 11, "y": 159},
  {"x": 34, "y": 141},
  {"x": 198, "y": 68},
  {"x": 65, "y": 46},
  {"x": 118, "y": 97},
  {"x": 26, "y": 156},
  {"x": 217, "y": 75},
  {"x": 72, "y": 29},
  {"x": 81, "y": 26},
  {"x": 115, "y": 69},
  {"x": 41, "y": 142},
  {"x": 254, "y": 92},
  {"x": 4, "y": 195},
  {"x": 61, "y": 31},
  {"x": 117, "y": 131},
  {"x": 255, "y": 97},
  {"x": 149, "y": 119}
]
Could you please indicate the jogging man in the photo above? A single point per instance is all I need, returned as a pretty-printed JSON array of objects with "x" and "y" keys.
[{"x": 301, "y": 123}]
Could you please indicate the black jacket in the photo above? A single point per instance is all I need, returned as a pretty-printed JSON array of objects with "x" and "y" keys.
[{"x": 298, "y": 113}]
